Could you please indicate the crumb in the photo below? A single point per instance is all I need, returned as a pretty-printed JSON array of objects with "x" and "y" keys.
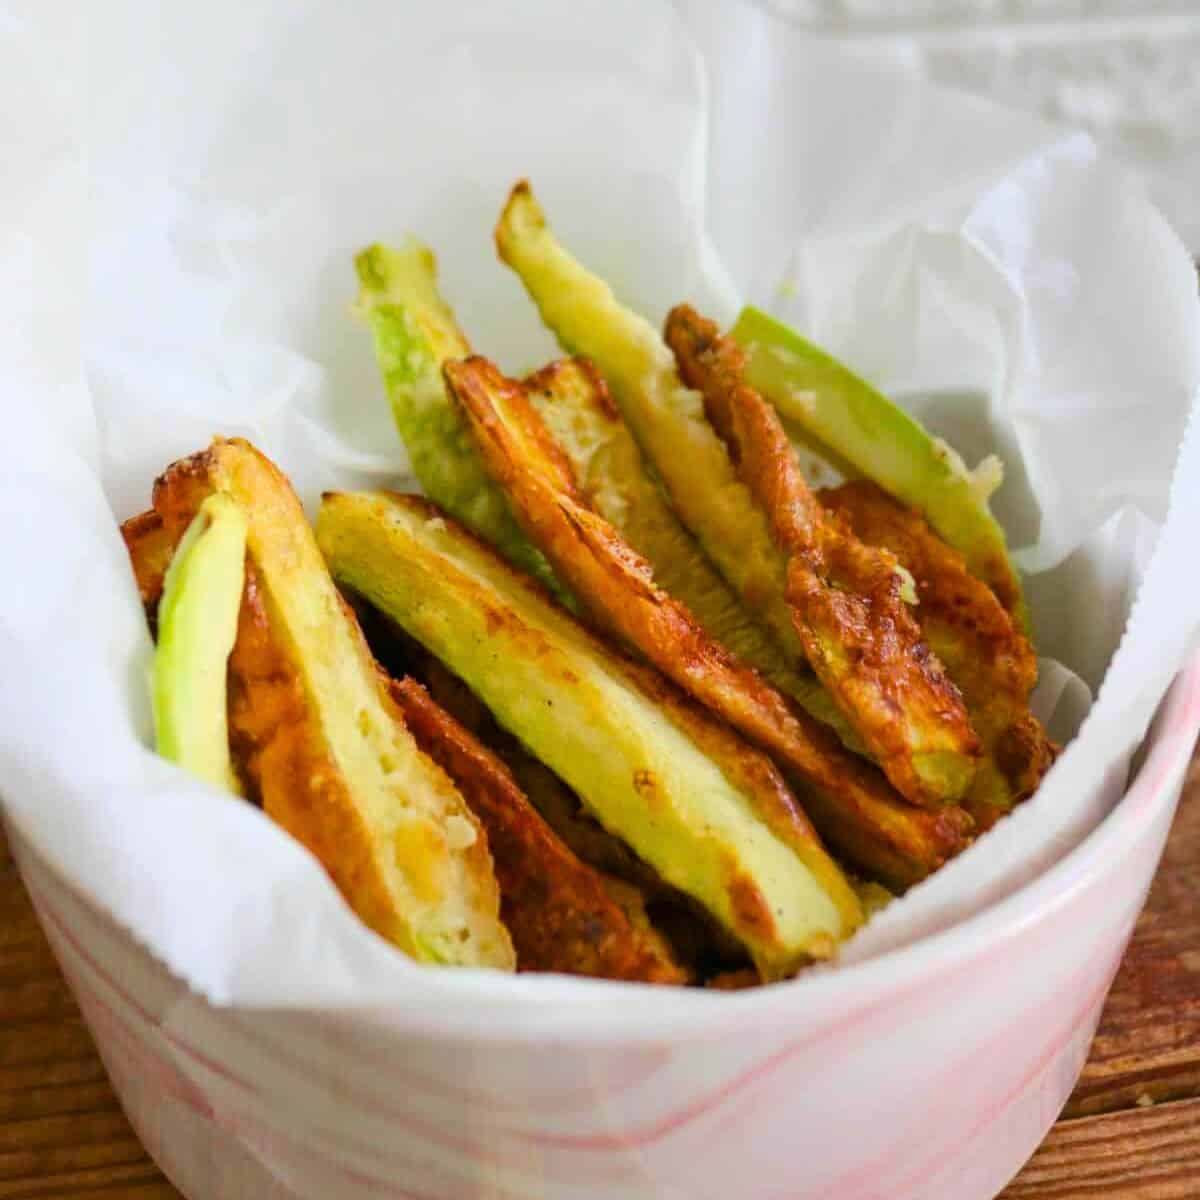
[{"x": 460, "y": 833}]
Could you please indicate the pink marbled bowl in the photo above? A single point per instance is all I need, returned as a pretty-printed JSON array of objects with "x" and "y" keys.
[{"x": 928, "y": 1074}]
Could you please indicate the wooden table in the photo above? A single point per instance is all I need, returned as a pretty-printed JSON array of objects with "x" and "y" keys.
[{"x": 1131, "y": 1131}]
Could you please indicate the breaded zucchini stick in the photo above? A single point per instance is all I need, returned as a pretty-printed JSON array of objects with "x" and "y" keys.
[
  {"x": 616, "y": 586},
  {"x": 572, "y": 399},
  {"x": 618, "y": 589},
  {"x": 319, "y": 740},
  {"x": 560, "y": 912},
  {"x": 587, "y": 839},
  {"x": 415, "y": 333},
  {"x": 882, "y": 836},
  {"x": 858, "y": 634},
  {"x": 151, "y": 547},
  {"x": 824, "y": 404},
  {"x": 913, "y": 725},
  {"x": 696, "y": 942},
  {"x": 710, "y": 815},
  {"x": 968, "y": 628}
]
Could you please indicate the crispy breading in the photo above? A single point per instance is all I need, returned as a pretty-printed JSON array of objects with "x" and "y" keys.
[
  {"x": 612, "y": 475},
  {"x": 864, "y": 823},
  {"x": 615, "y": 583},
  {"x": 695, "y": 939},
  {"x": 585, "y": 837},
  {"x": 558, "y": 805},
  {"x": 847, "y": 609},
  {"x": 697, "y": 472},
  {"x": 875, "y": 831},
  {"x": 665, "y": 418},
  {"x": 560, "y": 912},
  {"x": 969, "y": 629},
  {"x": 320, "y": 739},
  {"x": 707, "y": 811},
  {"x": 618, "y": 587},
  {"x": 895, "y": 843},
  {"x": 150, "y": 547},
  {"x": 827, "y": 408}
]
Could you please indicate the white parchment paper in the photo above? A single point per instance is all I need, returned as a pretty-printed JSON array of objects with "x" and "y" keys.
[{"x": 176, "y": 252}]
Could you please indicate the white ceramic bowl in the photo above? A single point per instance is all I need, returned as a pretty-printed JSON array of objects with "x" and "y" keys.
[{"x": 928, "y": 1074}]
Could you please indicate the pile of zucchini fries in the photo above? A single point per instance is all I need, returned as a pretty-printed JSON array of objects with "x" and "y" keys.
[{"x": 653, "y": 708}]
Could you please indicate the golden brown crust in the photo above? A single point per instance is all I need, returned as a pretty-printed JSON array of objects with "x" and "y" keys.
[
  {"x": 559, "y": 911},
  {"x": 276, "y": 737},
  {"x": 617, "y": 586},
  {"x": 359, "y": 534},
  {"x": 279, "y": 749},
  {"x": 180, "y": 490},
  {"x": 845, "y": 597},
  {"x": 557, "y": 804},
  {"x": 692, "y": 937},
  {"x": 989, "y": 659},
  {"x": 546, "y": 379},
  {"x": 892, "y": 842},
  {"x": 151, "y": 547},
  {"x": 850, "y": 805},
  {"x": 276, "y": 747}
]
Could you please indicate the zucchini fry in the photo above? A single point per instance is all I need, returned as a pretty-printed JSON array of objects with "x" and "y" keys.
[
  {"x": 587, "y": 839},
  {"x": 619, "y": 590},
  {"x": 561, "y": 913},
  {"x": 415, "y": 333},
  {"x": 908, "y": 715},
  {"x": 666, "y": 419},
  {"x": 151, "y": 547},
  {"x": 612, "y": 477},
  {"x": 824, "y": 404},
  {"x": 857, "y": 632},
  {"x": 984, "y": 652},
  {"x": 696, "y": 942},
  {"x": 320, "y": 741},
  {"x": 710, "y": 815},
  {"x": 870, "y": 828},
  {"x": 614, "y": 583}
]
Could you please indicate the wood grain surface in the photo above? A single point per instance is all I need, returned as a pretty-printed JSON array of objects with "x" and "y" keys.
[{"x": 1131, "y": 1131}]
